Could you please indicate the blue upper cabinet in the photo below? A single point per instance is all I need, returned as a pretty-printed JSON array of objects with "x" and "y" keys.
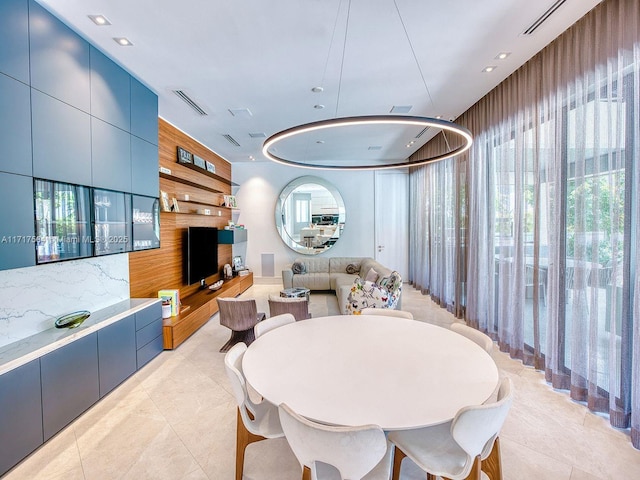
[
  {"x": 144, "y": 168},
  {"x": 15, "y": 133},
  {"x": 110, "y": 91},
  {"x": 17, "y": 248},
  {"x": 110, "y": 157},
  {"x": 14, "y": 39},
  {"x": 59, "y": 59},
  {"x": 144, "y": 112},
  {"x": 61, "y": 141}
]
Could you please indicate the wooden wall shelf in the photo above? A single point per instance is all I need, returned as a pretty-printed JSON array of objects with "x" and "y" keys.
[
  {"x": 201, "y": 306},
  {"x": 188, "y": 182}
]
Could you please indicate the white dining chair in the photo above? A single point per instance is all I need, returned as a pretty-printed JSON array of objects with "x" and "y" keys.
[
  {"x": 255, "y": 421},
  {"x": 387, "y": 312},
  {"x": 474, "y": 335},
  {"x": 336, "y": 452},
  {"x": 273, "y": 322},
  {"x": 461, "y": 449}
]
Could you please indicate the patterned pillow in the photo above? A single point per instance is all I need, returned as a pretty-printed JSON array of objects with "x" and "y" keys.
[
  {"x": 298, "y": 267},
  {"x": 365, "y": 294},
  {"x": 392, "y": 282},
  {"x": 353, "y": 268}
]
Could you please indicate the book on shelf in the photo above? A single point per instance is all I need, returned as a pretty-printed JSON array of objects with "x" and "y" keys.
[{"x": 174, "y": 297}]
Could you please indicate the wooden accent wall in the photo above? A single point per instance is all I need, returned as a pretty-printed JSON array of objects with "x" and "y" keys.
[{"x": 153, "y": 270}]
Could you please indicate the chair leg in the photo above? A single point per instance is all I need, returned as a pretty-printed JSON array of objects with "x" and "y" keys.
[
  {"x": 398, "y": 456},
  {"x": 492, "y": 465},
  {"x": 306, "y": 473},
  {"x": 475, "y": 473},
  {"x": 243, "y": 439}
]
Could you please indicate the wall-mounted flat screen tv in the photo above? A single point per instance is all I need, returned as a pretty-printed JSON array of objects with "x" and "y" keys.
[{"x": 201, "y": 255}]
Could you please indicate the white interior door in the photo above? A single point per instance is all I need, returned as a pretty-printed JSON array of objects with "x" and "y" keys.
[{"x": 392, "y": 219}]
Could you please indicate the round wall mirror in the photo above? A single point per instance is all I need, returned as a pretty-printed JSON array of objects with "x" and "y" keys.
[{"x": 310, "y": 215}]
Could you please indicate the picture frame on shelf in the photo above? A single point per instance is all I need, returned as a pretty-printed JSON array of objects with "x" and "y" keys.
[
  {"x": 211, "y": 168},
  {"x": 230, "y": 201},
  {"x": 184, "y": 156},
  {"x": 237, "y": 263},
  {"x": 176, "y": 207},
  {"x": 199, "y": 162}
]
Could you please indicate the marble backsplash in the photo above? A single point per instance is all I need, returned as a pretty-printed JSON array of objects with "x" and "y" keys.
[{"x": 31, "y": 298}]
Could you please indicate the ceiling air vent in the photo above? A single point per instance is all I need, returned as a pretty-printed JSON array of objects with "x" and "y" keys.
[
  {"x": 186, "y": 99},
  {"x": 544, "y": 17},
  {"x": 258, "y": 135},
  {"x": 231, "y": 140},
  {"x": 422, "y": 132}
]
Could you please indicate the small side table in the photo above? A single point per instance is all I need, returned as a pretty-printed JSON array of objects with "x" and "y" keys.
[{"x": 297, "y": 292}]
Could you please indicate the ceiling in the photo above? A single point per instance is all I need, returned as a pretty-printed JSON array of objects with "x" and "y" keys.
[{"x": 251, "y": 65}]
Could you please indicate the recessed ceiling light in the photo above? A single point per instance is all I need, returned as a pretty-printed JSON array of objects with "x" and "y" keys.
[
  {"x": 317, "y": 89},
  {"x": 318, "y": 107},
  {"x": 123, "y": 42},
  {"x": 438, "y": 117},
  {"x": 502, "y": 55},
  {"x": 488, "y": 69},
  {"x": 99, "y": 20},
  {"x": 252, "y": 158}
]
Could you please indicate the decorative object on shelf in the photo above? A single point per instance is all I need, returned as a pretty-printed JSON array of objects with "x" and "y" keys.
[
  {"x": 230, "y": 201},
  {"x": 175, "y": 207},
  {"x": 211, "y": 168},
  {"x": 204, "y": 211},
  {"x": 72, "y": 320},
  {"x": 165, "y": 170},
  {"x": 172, "y": 296},
  {"x": 237, "y": 263},
  {"x": 217, "y": 285},
  {"x": 165, "y": 201},
  {"x": 184, "y": 156},
  {"x": 199, "y": 162},
  {"x": 228, "y": 272}
]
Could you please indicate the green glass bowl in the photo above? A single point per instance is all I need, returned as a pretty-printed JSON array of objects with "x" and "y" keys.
[{"x": 72, "y": 320}]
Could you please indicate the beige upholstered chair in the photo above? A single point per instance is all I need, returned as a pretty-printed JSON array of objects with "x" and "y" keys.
[
  {"x": 387, "y": 312},
  {"x": 354, "y": 452},
  {"x": 461, "y": 449},
  {"x": 255, "y": 421},
  {"x": 474, "y": 335},
  {"x": 298, "y": 307},
  {"x": 240, "y": 315},
  {"x": 273, "y": 322}
]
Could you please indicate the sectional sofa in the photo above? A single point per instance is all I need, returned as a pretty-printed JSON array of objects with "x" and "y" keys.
[{"x": 339, "y": 274}]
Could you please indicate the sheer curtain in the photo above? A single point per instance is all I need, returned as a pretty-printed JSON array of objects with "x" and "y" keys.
[
  {"x": 553, "y": 213},
  {"x": 437, "y": 230}
]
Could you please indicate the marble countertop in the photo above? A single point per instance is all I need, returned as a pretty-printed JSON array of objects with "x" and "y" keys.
[{"x": 23, "y": 351}]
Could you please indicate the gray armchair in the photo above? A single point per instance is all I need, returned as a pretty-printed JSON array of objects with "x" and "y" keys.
[
  {"x": 240, "y": 315},
  {"x": 298, "y": 307}
]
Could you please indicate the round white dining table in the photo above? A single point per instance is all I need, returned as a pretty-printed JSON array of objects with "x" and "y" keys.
[{"x": 363, "y": 369}]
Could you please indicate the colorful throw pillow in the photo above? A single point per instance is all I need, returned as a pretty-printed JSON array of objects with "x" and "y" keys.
[
  {"x": 366, "y": 294},
  {"x": 353, "y": 268},
  {"x": 391, "y": 282},
  {"x": 298, "y": 268}
]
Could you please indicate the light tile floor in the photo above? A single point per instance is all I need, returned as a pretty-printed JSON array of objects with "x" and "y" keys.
[{"x": 175, "y": 419}]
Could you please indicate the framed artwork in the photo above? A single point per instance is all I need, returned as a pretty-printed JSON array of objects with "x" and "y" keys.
[
  {"x": 230, "y": 201},
  {"x": 237, "y": 263},
  {"x": 184, "y": 156},
  {"x": 211, "y": 168},
  {"x": 199, "y": 162}
]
